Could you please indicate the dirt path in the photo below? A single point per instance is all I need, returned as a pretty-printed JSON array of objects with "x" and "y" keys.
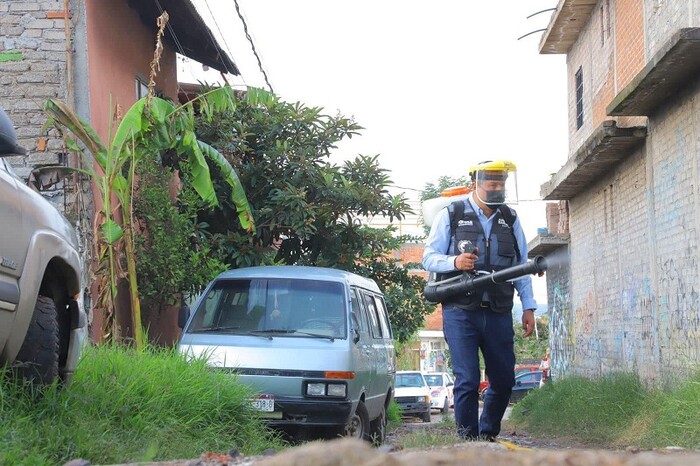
[{"x": 512, "y": 448}]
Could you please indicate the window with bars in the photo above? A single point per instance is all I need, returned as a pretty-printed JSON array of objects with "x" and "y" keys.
[{"x": 579, "y": 98}]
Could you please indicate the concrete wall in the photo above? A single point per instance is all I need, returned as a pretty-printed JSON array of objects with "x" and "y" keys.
[
  {"x": 631, "y": 298},
  {"x": 120, "y": 48}
]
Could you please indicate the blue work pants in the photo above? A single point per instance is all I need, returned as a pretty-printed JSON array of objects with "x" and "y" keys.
[{"x": 466, "y": 331}]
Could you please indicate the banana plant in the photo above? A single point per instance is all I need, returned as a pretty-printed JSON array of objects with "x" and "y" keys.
[{"x": 150, "y": 127}]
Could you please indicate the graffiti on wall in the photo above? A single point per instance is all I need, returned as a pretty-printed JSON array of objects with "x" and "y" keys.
[{"x": 561, "y": 336}]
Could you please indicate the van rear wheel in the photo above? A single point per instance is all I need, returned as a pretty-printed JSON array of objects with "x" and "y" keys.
[{"x": 358, "y": 426}]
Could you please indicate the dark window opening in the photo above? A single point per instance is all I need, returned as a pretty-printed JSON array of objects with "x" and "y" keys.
[
  {"x": 141, "y": 88},
  {"x": 579, "y": 98}
]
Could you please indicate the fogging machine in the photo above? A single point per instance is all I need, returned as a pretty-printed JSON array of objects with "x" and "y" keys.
[{"x": 468, "y": 282}]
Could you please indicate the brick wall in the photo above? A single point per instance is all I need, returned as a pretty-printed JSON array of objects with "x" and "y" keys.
[
  {"x": 634, "y": 256},
  {"x": 32, "y": 69},
  {"x": 413, "y": 253},
  {"x": 629, "y": 41},
  {"x": 628, "y": 302},
  {"x": 664, "y": 17},
  {"x": 610, "y": 52}
]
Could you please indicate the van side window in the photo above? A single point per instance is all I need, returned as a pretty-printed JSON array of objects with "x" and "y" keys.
[
  {"x": 383, "y": 317},
  {"x": 372, "y": 312},
  {"x": 359, "y": 319}
]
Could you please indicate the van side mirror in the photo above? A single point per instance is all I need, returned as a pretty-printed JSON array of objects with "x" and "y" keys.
[
  {"x": 355, "y": 335},
  {"x": 183, "y": 316}
]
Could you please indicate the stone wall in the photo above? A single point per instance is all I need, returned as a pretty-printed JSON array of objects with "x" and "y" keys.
[{"x": 33, "y": 69}]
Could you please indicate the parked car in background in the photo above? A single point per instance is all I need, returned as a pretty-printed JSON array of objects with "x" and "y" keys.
[
  {"x": 314, "y": 343},
  {"x": 520, "y": 371},
  {"x": 42, "y": 325},
  {"x": 441, "y": 390},
  {"x": 524, "y": 382},
  {"x": 412, "y": 394},
  {"x": 523, "y": 368}
]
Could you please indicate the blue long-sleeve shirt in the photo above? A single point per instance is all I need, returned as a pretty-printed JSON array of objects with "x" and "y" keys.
[{"x": 437, "y": 247}]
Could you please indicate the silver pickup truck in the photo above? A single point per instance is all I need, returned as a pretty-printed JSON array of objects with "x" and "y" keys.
[{"x": 41, "y": 322}]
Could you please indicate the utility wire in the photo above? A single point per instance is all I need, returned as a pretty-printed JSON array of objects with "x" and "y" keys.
[
  {"x": 252, "y": 45},
  {"x": 206, "y": 2}
]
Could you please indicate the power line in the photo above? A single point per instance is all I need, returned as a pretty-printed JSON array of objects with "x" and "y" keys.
[
  {"x": 228, "y": 49},
  {"x": 252, "y": 45}
]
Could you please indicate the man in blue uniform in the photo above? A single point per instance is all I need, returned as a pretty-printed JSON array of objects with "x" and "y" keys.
[{"x": 481, "y": 234}]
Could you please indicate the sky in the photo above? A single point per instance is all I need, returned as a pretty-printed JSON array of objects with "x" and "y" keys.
[{"x": 438, "y": 86}]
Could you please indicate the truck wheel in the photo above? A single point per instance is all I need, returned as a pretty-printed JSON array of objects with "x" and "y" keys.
[
  {"x": 446, "y": 407},
  {"x": 425, "y": 417},
  {"x": 37, "y": 360},
  {"x": 358, "y": 427},
  {"x": 377, "y": 429}
]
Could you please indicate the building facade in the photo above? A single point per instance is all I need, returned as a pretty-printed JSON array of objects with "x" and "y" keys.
[
  {"x": 95, "y": 56},
  {"x": 629, "y": 295}
]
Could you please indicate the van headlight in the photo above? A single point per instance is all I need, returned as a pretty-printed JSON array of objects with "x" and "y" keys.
[
  {"x": 335, "y": 390},
  {"x": 316, "y": 389}
]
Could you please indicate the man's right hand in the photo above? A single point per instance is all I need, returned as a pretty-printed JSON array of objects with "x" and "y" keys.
[{"x": 466, "y": 260}]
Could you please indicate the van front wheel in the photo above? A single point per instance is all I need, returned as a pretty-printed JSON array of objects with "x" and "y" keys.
[
  {"x": 377, "y": 429},
  {"x": 358, "y": 426}
]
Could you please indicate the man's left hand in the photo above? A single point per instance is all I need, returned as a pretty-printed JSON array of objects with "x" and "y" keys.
[{"x": 528, "y": 321}]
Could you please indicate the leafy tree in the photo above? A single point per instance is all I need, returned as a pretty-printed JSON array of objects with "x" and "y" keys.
[
  {"x": 433, "y": 190},
  {"x": 306, "y": 208}
]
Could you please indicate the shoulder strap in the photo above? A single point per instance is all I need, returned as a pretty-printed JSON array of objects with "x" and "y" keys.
[
  {"x": 456, "y": 210},
  {"x": 509, "y": 216}
]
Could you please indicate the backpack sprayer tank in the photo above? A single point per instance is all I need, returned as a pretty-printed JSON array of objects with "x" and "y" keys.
[{"x": 432, "y": 206}]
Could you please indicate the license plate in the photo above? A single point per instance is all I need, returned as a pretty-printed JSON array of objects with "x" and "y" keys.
[{"x": 264, "y": 403}]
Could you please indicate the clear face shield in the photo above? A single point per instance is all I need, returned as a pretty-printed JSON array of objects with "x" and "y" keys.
[{"x": 496, "y": 187}]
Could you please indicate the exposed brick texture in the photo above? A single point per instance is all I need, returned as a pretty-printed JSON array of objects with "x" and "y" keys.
[
  {"x": 627, "y": 301},
  {"x": 413, "y": 253}
]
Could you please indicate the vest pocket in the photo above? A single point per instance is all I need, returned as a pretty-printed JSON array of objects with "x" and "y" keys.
[{"x": 506, "y": 247}]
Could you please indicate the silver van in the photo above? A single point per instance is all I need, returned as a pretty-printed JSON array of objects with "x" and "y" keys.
[{"x": 314, "y": 343}]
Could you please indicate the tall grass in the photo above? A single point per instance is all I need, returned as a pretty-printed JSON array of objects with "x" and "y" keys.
[
  {"x": 127, "y": 406},
  {"x": 613, "y": 411}
]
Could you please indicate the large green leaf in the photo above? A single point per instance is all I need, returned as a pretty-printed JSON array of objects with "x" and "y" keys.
[
  {"x": 62, "y": 114},
  {"x": 238, "y": 196},
  {"x": 129, "y": 127},
  {"x": 111, "y": 231},
  {"x": 161, "y": 109},
  {"x": 199, "y": 170}
]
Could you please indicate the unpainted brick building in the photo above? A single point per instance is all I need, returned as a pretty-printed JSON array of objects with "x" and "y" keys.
[{"x": 629, "y": 298}]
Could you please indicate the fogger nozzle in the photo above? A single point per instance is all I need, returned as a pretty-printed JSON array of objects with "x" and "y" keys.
[{"x": 468, "y": 283}]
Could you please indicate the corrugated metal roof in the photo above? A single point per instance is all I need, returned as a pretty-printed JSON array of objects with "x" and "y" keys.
[{"x": 187, "y": 33}]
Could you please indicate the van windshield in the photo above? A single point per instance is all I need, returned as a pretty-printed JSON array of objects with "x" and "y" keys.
[{"x": 285, "y": 307}]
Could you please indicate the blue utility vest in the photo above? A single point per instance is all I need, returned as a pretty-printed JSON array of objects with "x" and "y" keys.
[{"x": 497, "y": 252}]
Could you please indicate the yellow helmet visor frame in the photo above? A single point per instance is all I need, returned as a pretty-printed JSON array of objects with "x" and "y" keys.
[{"x": 498, "y": 172}]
